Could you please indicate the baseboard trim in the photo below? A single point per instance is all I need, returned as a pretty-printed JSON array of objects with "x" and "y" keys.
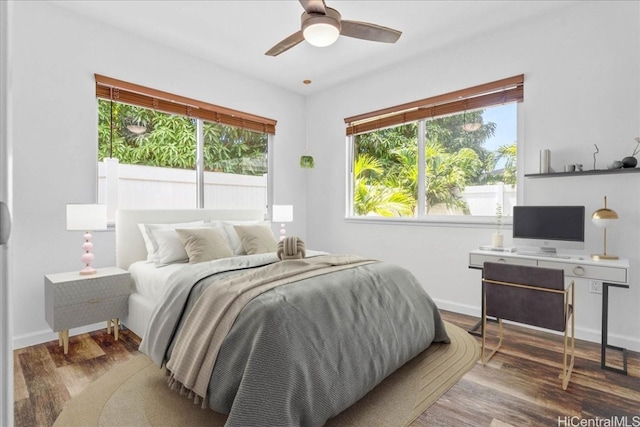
[
  {"x": 630, "y": 343},
  {"x": 586, "y": 334},
  {"x": 46, "y": 335}
]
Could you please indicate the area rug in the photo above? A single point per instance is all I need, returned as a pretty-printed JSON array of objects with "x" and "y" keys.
[{"x": 136, "y": 394}]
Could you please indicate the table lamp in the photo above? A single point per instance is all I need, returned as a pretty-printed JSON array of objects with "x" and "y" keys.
[
  {"x": 87, "y": 218},
  {"x": 282, "y": 214},
  {"x": 604, "y": 217}
]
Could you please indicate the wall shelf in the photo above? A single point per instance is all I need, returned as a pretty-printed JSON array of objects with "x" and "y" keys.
[{"x": 582, "y": 173}]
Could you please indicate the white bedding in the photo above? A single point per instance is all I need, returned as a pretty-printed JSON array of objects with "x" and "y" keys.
[
  {"x": 150, "y": 281},
  {"x": 131, "y": 249}
]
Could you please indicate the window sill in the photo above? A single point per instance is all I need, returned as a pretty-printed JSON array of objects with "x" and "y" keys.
[{"x": 435, "y": 221}]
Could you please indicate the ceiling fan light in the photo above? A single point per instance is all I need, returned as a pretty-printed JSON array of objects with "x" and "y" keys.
[{"x": 321, "y": 34}]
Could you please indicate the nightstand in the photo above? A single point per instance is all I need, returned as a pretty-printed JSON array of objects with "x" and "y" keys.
[{"x": 73, "y": 300}]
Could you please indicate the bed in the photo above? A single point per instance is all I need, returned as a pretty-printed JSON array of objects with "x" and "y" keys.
[
  {"x": 130, "y": 247},
  {"x": 267, "y": 341}
]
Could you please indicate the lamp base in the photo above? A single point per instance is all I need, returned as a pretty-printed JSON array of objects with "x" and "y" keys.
[
  {"x": 603, "y": 256},
  {"x": 87, "y": 270}
]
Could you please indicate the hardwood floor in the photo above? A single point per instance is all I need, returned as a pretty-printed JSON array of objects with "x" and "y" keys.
[
  {"x": 520, "y": 386},
  {"x": 45, "y": 378}
]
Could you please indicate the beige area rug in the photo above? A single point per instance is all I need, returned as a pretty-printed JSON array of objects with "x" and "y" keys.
[{"x": 136, "y": 393}]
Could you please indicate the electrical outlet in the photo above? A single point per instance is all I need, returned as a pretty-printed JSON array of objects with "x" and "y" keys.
[{"x": 595, "y": 286}]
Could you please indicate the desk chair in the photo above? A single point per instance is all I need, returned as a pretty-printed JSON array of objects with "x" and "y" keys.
[{"x": 532, "y": 296}]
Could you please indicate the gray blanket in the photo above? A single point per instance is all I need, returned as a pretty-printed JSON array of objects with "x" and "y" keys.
[{"x": 303, "y": 352}]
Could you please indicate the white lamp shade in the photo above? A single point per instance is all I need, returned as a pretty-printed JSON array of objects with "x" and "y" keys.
[
  {"x": 86, "y": 217},
  {"x": 282, "y": 213}
]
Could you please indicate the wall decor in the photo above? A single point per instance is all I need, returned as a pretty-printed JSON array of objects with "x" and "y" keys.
[{"x": 307, "y": 162}]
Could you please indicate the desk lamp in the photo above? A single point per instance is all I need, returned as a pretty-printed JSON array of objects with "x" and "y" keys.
[
  {"x": 604, "y": 217},
  {"x": 87, "y": 218}
]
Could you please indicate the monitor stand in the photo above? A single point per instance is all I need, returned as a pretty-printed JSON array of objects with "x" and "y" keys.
[
  {"x": 543, "y": 251},
  {"x": 547, "y": 251}
]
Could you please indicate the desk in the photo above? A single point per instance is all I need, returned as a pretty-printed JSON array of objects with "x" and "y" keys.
[{"x": 612, "y": 273}]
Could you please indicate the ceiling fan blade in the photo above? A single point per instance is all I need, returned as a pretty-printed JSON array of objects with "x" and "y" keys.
[
  {"x": 367, "y": 31},
  {"x": 286, "y": 44},
  {"x": 314, "y": 6}
]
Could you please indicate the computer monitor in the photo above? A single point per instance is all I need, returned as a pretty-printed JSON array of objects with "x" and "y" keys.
[{"x": 549, "y": 227}]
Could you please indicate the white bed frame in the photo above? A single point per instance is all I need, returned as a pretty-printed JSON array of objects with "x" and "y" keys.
[{"x": 130, "y": 246}]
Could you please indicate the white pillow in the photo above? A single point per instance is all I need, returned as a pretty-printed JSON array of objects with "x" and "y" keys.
[
  {"x": 147, "y": 242},
  {"x": 149, "y": 232},
  {"x": 170, "y": 247}
]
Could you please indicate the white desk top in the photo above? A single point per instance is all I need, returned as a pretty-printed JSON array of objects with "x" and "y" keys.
[{"x": 574, "y": 259}]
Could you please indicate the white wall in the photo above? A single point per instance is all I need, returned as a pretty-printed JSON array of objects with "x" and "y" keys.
[
  {"x": 582, "y": 87},
  {"x": 581, "y": 67},
  {"x": 54, "y": 119}
]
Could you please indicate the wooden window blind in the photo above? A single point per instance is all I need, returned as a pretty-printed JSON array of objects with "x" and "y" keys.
[
  {"x": 141, "y": 96},
  {"x": 499, "y": 92}
]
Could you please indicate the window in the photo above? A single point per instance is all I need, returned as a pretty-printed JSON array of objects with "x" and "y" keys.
[
  {"x": 174, "y": 156},
  {"x": 451, "y": 155}
]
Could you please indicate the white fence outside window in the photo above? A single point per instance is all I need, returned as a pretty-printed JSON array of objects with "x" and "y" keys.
[
  {"x": 482, "y": 199},
  {"x": 123, "y": 186},
  {"x": 145, "y": 187}
]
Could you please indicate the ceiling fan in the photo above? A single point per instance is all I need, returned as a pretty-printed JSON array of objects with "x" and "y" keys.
[{"x": 321, "y": 26}]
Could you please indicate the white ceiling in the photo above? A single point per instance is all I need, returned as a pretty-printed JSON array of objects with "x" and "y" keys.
[{"x": 235, "y": 34}]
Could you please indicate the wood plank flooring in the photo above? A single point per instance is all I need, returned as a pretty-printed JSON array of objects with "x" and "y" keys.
[
  {"x": 520, "y": 386},
  {"x": 45, "y": 378}
]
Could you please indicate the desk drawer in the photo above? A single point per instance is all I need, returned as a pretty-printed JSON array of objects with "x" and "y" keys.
[
  {"x": 587, "y": 271},
  {"x": 478, "y": 260}
]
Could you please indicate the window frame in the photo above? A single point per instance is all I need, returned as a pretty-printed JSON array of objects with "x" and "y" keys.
[
  {"x": 114, "y": 90},
  {"x": 486, "y": 95}
]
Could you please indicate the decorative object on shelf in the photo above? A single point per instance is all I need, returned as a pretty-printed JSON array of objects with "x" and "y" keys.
[
  {"x": 497, "y": 240},
  {"x": 603, "y": 218},
  {"x": 87, "y": 218},
  {"x": 616, "y": 164},
  {"x": 307, "y": 162},
  {"x": 594, "y": 156},
  {"x": 631, "y": 161},
  {"x": 282, "y": 214},
  {"x": 569, "y": 168},
  {"x": 545, "y": 158}
]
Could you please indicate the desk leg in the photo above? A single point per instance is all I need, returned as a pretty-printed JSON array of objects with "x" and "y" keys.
[
  {"x": 476, "y": 329},
  {"x": 605, "y": 332}
]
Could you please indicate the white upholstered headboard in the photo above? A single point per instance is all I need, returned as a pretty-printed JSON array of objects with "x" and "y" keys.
[{"x": 130, "y": 245}]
